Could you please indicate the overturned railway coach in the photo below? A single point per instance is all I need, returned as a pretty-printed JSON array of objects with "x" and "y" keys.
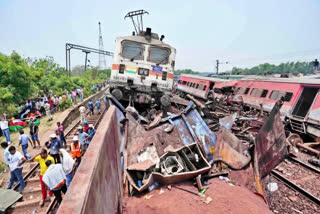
[
  {"x": 301, "y": 97},
  {"x": 142, "y": 68}
]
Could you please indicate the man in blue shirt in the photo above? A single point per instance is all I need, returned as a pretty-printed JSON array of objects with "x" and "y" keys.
[
  {"x": 83, "y": 139},
  {"x": 91, "y": 107},
  {"x": 91, "y": 132},
  {"x": 54, "y": 146},
  {"x": 23, "y": 141},
  {"x": 98, "y": 104}
]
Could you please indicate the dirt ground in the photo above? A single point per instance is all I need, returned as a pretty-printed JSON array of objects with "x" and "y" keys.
[
  {"x": 43, "y": 128},
  {"x": 226, "y": 198}
]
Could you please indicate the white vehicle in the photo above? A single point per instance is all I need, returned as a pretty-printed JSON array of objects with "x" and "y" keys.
[{"x": 143, "y": 66}]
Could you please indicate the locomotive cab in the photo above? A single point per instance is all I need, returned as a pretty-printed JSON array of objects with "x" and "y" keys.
[{"x": 143, "y": 67}]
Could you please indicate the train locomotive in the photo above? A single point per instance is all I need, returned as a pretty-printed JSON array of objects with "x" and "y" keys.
[{"x": 143, "y": 66}]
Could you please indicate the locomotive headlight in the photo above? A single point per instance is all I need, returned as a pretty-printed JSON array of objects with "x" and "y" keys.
[{"x": 143, "y": 71}]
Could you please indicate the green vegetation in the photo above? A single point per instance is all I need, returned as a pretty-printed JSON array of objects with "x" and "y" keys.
[
  {"x": 283, "y": 68},
  {"x": 185, "y": 71},
  {"x": 23, "y": 79}
]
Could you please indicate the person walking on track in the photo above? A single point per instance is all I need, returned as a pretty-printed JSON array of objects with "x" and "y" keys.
[
  {"x": 41, "y": 158},
  {"x": 82, "y": 111},
  {"x": 91, "y": 107},
  {"x": 23, "y": 141},
  {"x": 60, "y": 133},
  {"x": 68, "y": 165},
  {"x": 55, "y": 179},
  {"x": 98, "y": 104},
  {"x": 83, "y": 139},
  {"x": 15, "y": 164}
]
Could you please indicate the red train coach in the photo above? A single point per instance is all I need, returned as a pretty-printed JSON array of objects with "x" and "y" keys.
[{"x": 301, "y": 96}]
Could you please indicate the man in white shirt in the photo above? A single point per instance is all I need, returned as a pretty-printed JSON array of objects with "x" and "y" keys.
[
  {"x": 4, "y": 125},
  {"x": 82, "y": 110},
  {"x": 15, "y": 164},
  {"x": 55, "y": 179}
]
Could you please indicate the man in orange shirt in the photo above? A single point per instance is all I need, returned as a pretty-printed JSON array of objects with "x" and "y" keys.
[
  {"x": 76, "y": 150},
  {"x": 42, "y": 158}
]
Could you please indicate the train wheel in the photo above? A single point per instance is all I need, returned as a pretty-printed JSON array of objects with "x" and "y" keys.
[{"x": 117, "y": 93}]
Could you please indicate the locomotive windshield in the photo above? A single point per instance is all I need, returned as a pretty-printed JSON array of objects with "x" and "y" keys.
[
  {"x": 132, "y": 50},
  {"x": 158, "y": 55}
]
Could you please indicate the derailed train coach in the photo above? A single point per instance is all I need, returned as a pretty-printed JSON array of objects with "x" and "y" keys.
[
  {"x": 301, "y": 108},
  {"x": 143, "y": 67}
]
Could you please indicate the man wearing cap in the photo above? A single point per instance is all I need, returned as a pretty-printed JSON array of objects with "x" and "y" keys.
[
  {"x": 41, "y": 158},
  {"x": 91, "y": 132},
  {"x": 83, "y": 139},
  {"x": 85, "y": 126},
  {"x": 76, "y": 150},
  {"x": 54, "y": 146},
  {"x": 82, "y": 110}
]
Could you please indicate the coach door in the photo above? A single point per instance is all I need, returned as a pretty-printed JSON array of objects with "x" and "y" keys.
[{"x": 305, "y": 101}]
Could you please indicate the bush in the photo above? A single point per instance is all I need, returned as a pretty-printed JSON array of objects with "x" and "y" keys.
[{"x": 65, "y": 104}]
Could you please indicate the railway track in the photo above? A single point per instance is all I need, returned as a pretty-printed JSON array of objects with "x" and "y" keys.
[
  {"x": 32, "y": 194},
  {"x": 298, "y": 187}
]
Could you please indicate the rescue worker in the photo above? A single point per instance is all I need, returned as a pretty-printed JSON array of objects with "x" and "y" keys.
[{"x": 76, "y": 150}]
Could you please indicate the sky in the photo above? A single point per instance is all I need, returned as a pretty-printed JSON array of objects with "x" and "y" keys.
[{"x": 243, "y": 33}]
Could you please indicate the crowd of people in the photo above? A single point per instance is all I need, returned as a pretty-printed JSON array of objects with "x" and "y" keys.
[{"x": 57, "y": 166}]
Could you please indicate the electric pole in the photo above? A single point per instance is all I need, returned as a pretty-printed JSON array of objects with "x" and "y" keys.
[
  {"x": 102, "y": 59},
  {"x": 219, "y": 63}
]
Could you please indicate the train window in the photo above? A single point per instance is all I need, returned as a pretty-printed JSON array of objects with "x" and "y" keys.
[
  {"x": 179, "y": 81},
  {"x": 159, "y": 55},
  {"x": 242, "y": 90},
  {"x": 288, "y": 96},
  {"x": 164, "y": 75},
  {"x": 184, "y": 83},
  {"x": 258, "y": 92},
  {"x": 204, "y": 87},
  {"x": 264, "y": 93},
  {"x": 197, "y": 85},
  {"x": 132, "y": 50},
  {"x": 189, "y": 84},
  {"x": 276, "y": 95}
]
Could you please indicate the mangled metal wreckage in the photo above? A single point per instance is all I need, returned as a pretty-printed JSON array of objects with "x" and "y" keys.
[{"x": 181, "y": 147}]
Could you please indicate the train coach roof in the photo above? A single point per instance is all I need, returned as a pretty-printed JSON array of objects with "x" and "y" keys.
[
  {"x": 204, "y": 78},
  {"x": 142, "y": 39},
  {"x": 301, "y": 80}
]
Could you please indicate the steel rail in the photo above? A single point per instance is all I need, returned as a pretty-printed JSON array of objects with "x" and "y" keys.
[
  {"x": 308, "y": 166},
  {"x": 295, "y": 187}
]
